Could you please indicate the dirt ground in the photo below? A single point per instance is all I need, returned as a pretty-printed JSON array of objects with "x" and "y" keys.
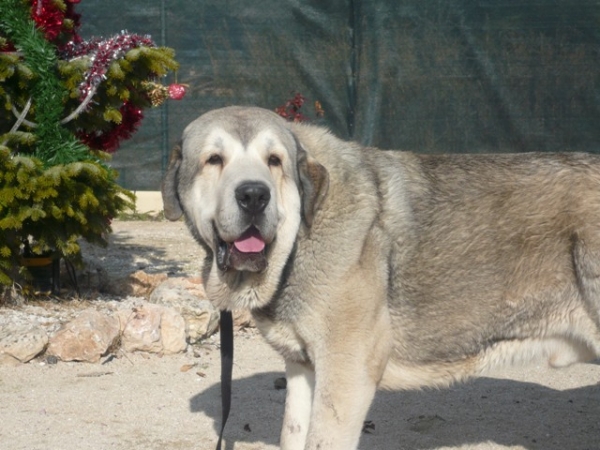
[{"x": 146, "y": 402}]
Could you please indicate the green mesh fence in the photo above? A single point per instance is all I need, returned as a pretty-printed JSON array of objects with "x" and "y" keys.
[{"x": 427, "y": 76}]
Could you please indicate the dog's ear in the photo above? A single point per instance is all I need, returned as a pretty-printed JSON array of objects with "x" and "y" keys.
[
  {"x": 172, "y": 206},
  {"x": 314, "y": 184}
]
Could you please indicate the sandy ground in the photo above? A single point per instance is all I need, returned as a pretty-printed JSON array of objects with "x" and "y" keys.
[{"x": 173, "y": 402}]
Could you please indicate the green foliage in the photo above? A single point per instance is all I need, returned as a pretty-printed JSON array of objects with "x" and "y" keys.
[
  {"x": 52, "y": 208},
  {"x": 54, "y": 189},
  {"x": 36, "y": 73},
  {"x": 45, "y": 89},
  {"x": 124, "y": 82}
]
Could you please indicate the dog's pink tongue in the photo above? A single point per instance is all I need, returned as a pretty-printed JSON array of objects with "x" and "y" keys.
[{"x": 250, "y": 242}]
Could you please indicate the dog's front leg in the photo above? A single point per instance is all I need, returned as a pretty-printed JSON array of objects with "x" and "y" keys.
[
  {"x": 341, "y": 401},
  {"x": 296, "y": 420}
]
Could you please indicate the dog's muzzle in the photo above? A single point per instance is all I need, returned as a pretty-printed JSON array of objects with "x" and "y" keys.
[{"x": 248, "y": 252}]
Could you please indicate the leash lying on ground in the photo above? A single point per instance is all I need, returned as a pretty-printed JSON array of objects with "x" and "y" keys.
[{"x": 226, "y": 333}]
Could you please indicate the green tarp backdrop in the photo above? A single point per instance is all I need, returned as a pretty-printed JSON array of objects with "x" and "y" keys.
[{"x": 421, "y": 75}]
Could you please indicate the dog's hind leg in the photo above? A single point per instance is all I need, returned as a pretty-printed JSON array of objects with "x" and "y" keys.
[
  {"x": 298, "y": 402},
  {"x": 586, "y": 260}
]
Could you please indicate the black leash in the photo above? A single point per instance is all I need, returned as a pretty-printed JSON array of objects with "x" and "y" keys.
[{"x": 226, "y": 333}]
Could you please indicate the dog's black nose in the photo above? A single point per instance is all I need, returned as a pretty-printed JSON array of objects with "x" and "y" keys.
[{"x": 253, "y": 196}]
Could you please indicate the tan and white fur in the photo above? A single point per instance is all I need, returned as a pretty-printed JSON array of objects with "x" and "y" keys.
[{"x": 388, "y": 269}]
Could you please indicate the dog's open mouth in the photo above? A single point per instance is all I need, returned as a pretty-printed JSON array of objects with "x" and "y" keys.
[{"x": 245, "y": 253}]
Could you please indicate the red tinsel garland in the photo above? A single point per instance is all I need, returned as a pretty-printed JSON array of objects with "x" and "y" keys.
[
  {"x": 109, "y": 141},
  {"x": 102, "y": 52},
  {"x": 51, "y": 20}
]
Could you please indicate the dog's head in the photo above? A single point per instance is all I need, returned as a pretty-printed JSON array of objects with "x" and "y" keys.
[{"x": 245, "y": 184}]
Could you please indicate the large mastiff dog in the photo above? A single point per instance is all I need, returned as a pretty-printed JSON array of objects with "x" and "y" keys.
[{"x": 366, "y": 268}]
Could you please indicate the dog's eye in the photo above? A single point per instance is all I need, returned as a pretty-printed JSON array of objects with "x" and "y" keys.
[
  {"x": 274, "y": 161},
  {"x": 214, "y": 160}
]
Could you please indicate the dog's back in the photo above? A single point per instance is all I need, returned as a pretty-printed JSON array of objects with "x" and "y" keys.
[{"x": 498, "y": 260}]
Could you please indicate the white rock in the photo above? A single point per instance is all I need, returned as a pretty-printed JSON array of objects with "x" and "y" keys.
[
  {"x": 188, "y": 298},
  {"x": 152, "y": 328},
  {"x": 172, "y": 332},
  {"x": 142, "y": 330},
  {"x": 22, "y": 341},
  {"x": 86, "y": 338}
]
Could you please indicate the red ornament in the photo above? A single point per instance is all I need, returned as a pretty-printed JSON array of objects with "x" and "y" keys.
[{"x": 177, "y": 91}]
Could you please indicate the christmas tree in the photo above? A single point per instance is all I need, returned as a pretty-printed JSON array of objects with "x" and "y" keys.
[{"x": 68, "y": 103}]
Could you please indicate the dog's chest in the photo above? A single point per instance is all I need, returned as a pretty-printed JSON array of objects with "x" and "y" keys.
[{"x": 285, "y": 338}]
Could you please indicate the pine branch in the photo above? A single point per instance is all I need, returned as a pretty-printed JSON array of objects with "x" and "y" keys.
[{"x": 56, "y": 145}]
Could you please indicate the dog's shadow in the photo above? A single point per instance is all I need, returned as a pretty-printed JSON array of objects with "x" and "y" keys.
[{"x": 504, "y": 412}]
